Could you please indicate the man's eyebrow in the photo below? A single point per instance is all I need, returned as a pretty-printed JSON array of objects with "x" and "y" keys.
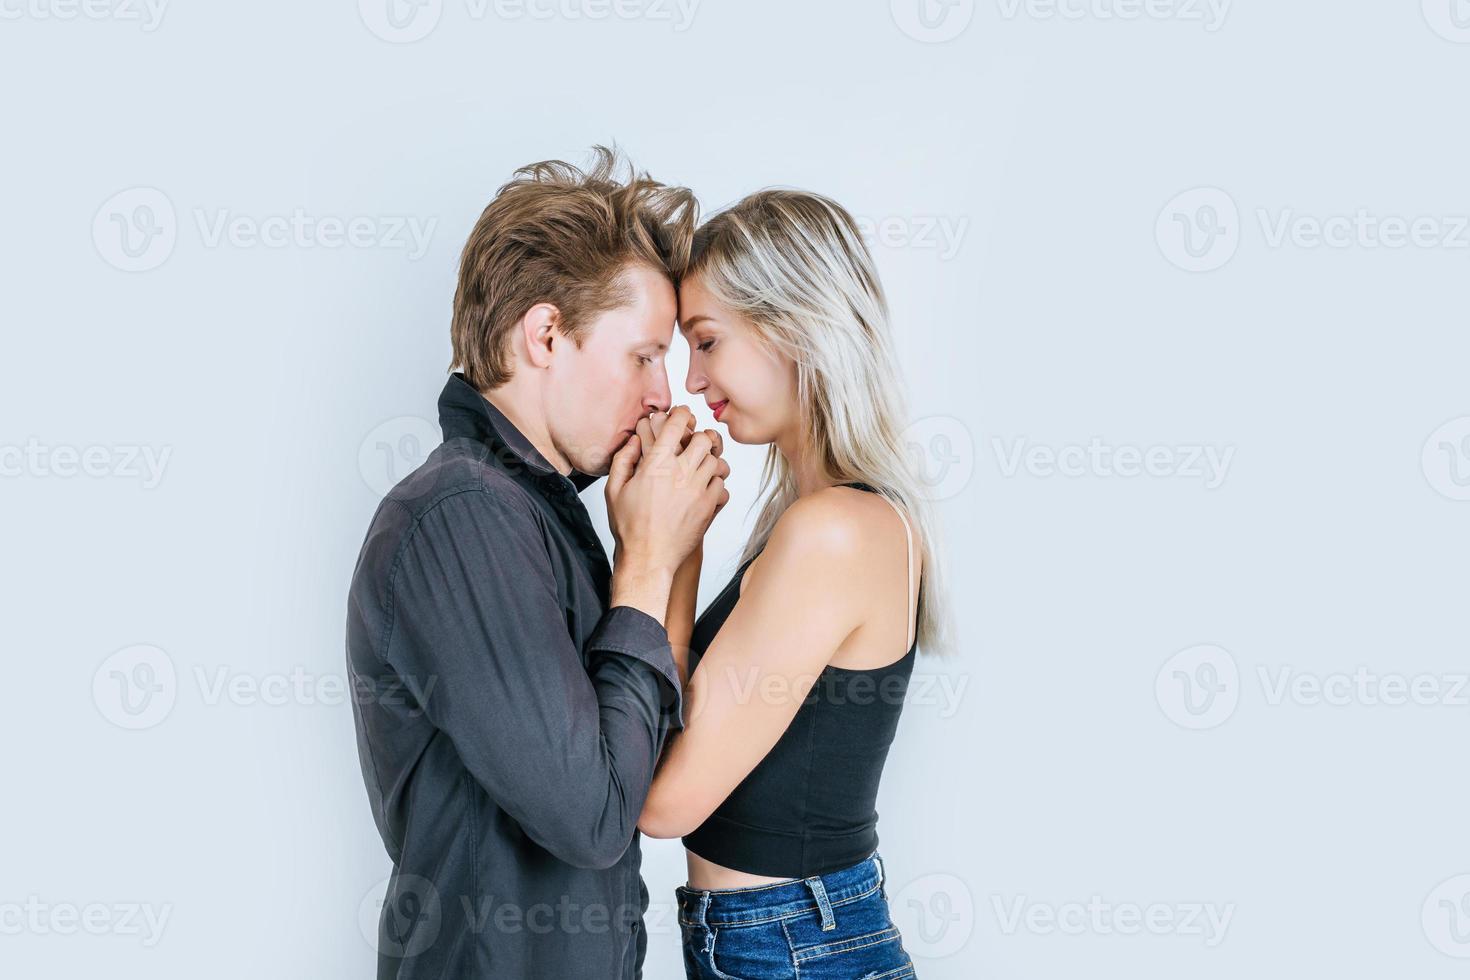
[{"x": 655, "y": 344}]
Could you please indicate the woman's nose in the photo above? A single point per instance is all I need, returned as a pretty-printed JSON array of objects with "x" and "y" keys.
[{"x": 694, "y": 380}]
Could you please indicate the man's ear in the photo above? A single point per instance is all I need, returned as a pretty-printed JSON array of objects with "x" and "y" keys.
[{"x": 541, "y": 329}]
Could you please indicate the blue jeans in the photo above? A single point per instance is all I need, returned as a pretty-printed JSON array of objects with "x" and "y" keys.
[{"x": 831, "y": 927}]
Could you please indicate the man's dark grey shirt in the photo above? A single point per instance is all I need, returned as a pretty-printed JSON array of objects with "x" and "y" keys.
[{"x": 508, "y": 722}]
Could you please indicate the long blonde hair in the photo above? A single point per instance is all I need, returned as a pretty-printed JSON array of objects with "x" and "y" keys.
[{"x": 794, "y": 265}]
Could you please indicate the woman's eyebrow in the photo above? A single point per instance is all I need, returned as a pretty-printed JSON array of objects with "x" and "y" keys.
[{"x": 693, "y": 321}]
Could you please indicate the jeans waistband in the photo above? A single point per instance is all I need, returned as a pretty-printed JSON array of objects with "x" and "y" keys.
[{"x": 767, "y": 903}]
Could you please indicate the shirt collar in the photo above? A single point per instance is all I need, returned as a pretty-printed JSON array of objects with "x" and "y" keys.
[{"x": 463, "y": 411}]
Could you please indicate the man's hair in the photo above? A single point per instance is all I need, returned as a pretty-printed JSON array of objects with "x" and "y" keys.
[{"x": 560, "y": 235}]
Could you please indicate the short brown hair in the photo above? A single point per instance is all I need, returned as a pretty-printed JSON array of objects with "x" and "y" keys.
[{"x": 560, "y": 235}]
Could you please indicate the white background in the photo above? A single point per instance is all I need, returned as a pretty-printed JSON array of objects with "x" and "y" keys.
[{"x": 1076, "y": 158}]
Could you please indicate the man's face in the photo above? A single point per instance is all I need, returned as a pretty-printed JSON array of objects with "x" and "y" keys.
[{"x": 599, "y": 392}]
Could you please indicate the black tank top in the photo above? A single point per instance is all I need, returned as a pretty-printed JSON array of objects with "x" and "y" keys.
[{"x": 807, "y": 808}]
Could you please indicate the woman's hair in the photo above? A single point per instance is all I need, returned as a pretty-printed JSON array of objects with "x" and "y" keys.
[{"x": 793, "y": 264}]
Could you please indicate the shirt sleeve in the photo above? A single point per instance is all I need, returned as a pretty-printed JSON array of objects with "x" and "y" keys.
[{"x": 480, "y": 637}]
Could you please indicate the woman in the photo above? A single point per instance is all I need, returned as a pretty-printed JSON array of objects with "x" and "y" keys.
[{"x": 796, "y": 672}]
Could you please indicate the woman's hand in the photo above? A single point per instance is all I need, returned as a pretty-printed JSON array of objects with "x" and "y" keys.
[
  {"x": 656, "y": 422},
  {"x": 684, "y": 593}
]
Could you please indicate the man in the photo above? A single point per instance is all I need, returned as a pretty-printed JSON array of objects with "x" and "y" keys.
[{"x": 512, "y": 690}]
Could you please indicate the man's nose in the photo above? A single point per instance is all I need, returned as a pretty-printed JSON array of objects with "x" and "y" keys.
[{"x": 660, "y": 398}]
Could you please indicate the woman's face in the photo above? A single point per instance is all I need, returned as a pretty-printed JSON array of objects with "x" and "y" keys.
[{"x": 751, "y": 389}]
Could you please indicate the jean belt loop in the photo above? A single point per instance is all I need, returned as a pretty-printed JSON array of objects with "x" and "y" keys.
[
  {"x": 879, "y": 862},
  {"x": 709, "y": 934},
  {"x": 824, "y": 905}
]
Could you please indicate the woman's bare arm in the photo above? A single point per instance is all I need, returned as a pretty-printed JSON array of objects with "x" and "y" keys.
[
  {"x": 680, "y": 619},
  {"x": 788, "y": 624}
]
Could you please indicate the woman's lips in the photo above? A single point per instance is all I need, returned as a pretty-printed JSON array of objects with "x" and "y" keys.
[{"x": 718, "y": 408}]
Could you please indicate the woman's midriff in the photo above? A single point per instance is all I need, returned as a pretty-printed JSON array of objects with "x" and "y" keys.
[{"x": 708, "y": 876}]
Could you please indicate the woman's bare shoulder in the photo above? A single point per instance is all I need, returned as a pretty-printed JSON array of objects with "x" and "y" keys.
[{"x": 842, "y": 523}]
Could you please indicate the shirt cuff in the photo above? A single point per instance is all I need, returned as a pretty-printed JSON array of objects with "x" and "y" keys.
[{"x": 633, "y": 633}]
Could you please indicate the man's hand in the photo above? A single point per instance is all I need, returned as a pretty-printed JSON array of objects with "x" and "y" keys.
[{"x": 662, "y": 493}]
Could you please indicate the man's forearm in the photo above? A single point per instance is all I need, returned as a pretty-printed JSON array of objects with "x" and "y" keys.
[{"x": 642, "y": 587}]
